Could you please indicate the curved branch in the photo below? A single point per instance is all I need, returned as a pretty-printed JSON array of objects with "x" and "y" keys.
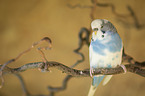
[{"x": 134, "y": 68}]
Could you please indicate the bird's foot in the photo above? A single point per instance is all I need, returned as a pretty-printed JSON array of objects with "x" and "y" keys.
[
  {"x": 91, "y": 71},
  {"x": 124, "y": 68}
]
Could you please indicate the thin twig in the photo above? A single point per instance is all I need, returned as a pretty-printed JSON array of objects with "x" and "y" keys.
[
  {"x": 26, "y": 92},
  {"x": 63, "y": 87},
  {"x": 113, "y": 8},
  {"x": 83, "y": 39},
  {"x": 22, "y": 84},
  {"x": 46, "y": 39},
  {"x": 131, "y": 12}
]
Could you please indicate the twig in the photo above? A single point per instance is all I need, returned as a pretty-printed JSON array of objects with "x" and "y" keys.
[
  {"x": 136, "y": 22},
  {"x": 22, "y": 84},
  {"x": 113, "y": 8},
  {"x": 33, "y": 45},
  {"x": 63, "y": 87},
  {"x": 24, "y": 52},
  {"x": 131, "y": 12},
  {"x": 26, "y": 92},
  {"x": 83, "y": 39}
]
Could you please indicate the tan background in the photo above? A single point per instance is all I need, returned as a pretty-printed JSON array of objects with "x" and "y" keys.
[{"x": 22, "y": 22}]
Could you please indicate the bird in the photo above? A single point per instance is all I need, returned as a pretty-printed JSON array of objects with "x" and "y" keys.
[{"x": 105, "y": 51}]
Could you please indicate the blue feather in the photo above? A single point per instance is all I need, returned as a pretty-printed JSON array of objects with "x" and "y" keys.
[
  {"x": 97, "y": 80},
  {"x": 114, "y": 45}
]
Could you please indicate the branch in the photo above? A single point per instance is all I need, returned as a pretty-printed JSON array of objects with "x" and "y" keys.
[{"x": 134, "y": 68}]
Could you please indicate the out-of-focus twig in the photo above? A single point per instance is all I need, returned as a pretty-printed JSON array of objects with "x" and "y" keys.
[
  {"x": 113, "y": 8},
  {"x": 61, "y": 88},
  {"x": 83, "y": 39},
  {"x": 95, "y": 3},
  {"x": 22, "y": 84}
]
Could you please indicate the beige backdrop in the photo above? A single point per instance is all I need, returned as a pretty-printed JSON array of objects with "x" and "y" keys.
[{"x": 22, "y": 22}]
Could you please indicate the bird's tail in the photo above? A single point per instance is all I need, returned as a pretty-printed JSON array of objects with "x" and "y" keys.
[
  {"x": 92, "y": 90},
  {"x": 107, "y": 79},
  {"x": 95, "y": 83}
]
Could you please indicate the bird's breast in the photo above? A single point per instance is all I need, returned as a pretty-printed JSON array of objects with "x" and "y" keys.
[{"x": 100, "y": 56}]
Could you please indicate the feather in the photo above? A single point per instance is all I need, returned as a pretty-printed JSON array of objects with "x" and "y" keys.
[
  {"x": 96, "y": 81},
  {"x": 107, "y": 79}
]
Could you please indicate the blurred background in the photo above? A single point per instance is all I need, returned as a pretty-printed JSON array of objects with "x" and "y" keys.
[{"x": 23, "y": 22}]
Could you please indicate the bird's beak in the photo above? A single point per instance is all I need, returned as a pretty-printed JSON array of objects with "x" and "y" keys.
[{"x": 95, "y": 32}]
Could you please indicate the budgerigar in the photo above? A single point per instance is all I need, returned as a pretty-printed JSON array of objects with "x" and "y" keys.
[{"x": 105, "y": 50}]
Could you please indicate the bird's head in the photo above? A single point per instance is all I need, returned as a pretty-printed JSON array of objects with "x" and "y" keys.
[{"x": 102, "y": 29}]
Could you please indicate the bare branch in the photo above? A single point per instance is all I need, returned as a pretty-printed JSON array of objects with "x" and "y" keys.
[
  {"x": 134, "y": 68},
  {"x": 46, "y": 39}
]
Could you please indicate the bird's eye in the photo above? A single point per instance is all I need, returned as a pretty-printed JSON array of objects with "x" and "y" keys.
[
  {"x": 95, "y": 29},
  {"x": 101, "y": 26}
]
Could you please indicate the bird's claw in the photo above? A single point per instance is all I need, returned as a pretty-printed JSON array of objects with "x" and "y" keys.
[
  {"x": 91, "y": 71},
  {"x": 124, "y": 68}
]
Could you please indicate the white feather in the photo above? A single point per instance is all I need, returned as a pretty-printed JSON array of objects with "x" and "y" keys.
[
  {"x": 107, "y": 79},
  {"x": 92, "y": 91}
]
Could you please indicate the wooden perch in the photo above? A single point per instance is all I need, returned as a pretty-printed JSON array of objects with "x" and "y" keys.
[{"x": 134, "y": 68}]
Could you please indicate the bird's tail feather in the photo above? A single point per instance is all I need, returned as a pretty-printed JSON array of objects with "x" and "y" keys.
[
  {"x": 92, "y": 90},
  {"x": 107, "y": 79},
  {"x": 96, "y": 81}
]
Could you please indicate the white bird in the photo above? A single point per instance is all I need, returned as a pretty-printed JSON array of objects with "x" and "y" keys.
[{"x": 105, "y": 50}]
